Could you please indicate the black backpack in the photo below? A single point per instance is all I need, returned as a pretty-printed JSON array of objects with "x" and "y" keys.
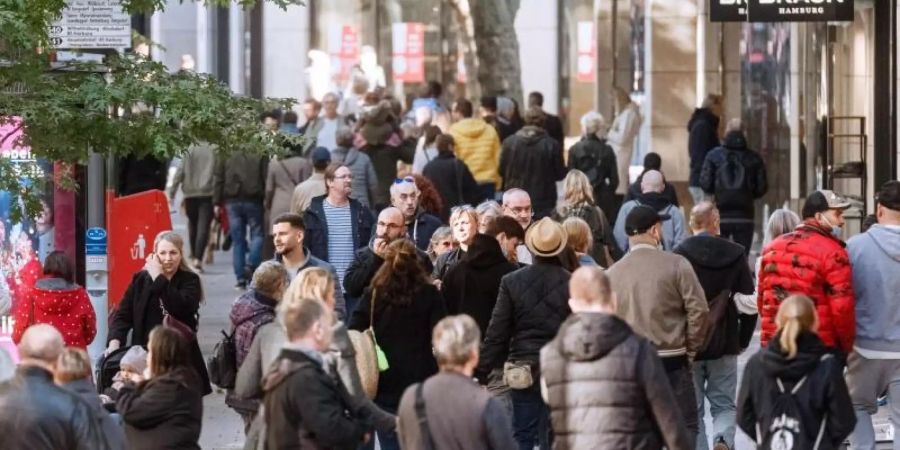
[
  {"x": 589, "y": 163},
  {"x": 783, "y": 428},
  {"x": 733, "y": 182},
  {"x": 223, "y": 362}
]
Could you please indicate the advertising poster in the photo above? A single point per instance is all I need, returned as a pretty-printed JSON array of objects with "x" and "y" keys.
[{"x": 408, "y": 52}]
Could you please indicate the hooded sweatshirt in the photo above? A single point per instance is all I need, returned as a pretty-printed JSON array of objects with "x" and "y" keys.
[
  {"x": 606, "y": 388},
  {"x": 478, "y": 145},
  {"x": 875, "y": 260},
  {"x": 365, "y": 182},
  {"x": 64, "y": 305}
]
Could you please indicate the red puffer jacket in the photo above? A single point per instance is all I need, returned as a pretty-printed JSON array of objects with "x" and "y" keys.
[
  {"x": 65, "y": 306},
  {"x": 811, "y": 262}
]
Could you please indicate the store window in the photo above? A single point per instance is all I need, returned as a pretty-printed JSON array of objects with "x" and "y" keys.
[{"x": 578, "y": 63}]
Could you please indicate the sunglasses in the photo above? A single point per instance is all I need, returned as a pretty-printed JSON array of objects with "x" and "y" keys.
[{"x": 404, "y": 180}]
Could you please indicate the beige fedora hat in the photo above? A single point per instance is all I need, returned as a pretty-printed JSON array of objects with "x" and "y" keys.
[{"x": 546, "y": 238}]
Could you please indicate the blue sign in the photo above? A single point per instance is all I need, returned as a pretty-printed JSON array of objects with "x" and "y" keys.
[{"x": 95, "y": 241}]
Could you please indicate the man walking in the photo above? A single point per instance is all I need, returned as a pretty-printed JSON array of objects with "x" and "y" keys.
[
  {"x": 722, "y": 269},
  {"x": 874, "y": 364},
  {"x": 623, "y": 396},
  {"x": 195, "y": 178},
  {"x": 240, "y": 183},
  {"x": 420, "y": 225},
  {"x": 812, "y": 261},
  {"x": 736, "y": 176},
  {"x": 314, "y": 186},
  {"x": 674, "y": 229},
  {"x": 660, "y": 297},
  {"x": 551, "y": 123},
  {"x": 703, "y": 136},
  {"x": 477, "y": 145}
]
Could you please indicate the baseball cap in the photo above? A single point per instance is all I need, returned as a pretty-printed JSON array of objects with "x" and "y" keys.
[
  {"x": 889, "y": 195},
  {"x": 320, "y": 154},
  {"x": 821, "y": 201},
  {"x": 642, "y": 218}
]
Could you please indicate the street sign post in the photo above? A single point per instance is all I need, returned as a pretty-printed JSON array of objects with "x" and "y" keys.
[
  {"x": 92, "y": 24},
  {"x": 97, "y": 285}
]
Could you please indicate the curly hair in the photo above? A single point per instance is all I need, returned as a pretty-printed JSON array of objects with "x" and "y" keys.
[
  {"x": 430, "y": 199},
  {"x": 401, "y": 276}
]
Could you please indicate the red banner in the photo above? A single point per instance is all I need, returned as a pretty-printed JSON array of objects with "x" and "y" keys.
[
  {"x": 408, "y": 62},
  {"x": 343, "y": 47}
]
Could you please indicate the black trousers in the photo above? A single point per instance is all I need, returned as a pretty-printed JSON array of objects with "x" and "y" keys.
[
  {"x": 200, "y": 214},
  {"x": 739, "y": 233}
]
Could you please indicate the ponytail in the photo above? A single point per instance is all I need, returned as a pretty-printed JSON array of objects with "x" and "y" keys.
[{"x": 797, "y": 314}]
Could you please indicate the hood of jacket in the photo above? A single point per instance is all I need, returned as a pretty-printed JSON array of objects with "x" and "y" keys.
[
  {"x": 704, "y": 115},
  {"x": 735, "y": 140},
  {"x": 809, "y": 351},
  {"x": 711, "y": 252},
  {"x": 887, "y": 239},
  {"x": 250, "y": 305},
  {"x": 655, "y": 200},
  {"x": 471, "y": 128},
  {"x": 485, "y": 252},
  {"x": 590, "y": 336},
  {"x": 55, "y": 296},
  {"x": 531, "y": 133}
]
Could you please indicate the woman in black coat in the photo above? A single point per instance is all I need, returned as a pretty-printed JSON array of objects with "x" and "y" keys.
[
  {"x": 166, "y": 410},
  {"x": 593, "y": 156},
  {"x": 451, "y": 177},
  {"x": 165, "y": 282},
  {"x": 406, "y": 308}
]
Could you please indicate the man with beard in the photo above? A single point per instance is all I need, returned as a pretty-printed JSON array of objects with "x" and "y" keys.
[
  {"x": 652, "y": 195},
  {"x": 420, "y": 225},
  {"x": 390, "y": 227},
  {"x": 289, "y": 231},
  {"x": 517, "y": 204}
]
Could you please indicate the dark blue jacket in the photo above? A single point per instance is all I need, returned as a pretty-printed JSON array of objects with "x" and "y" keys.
[
  {"x": 735, "y": 204},
  {"x": 316, "y": 238},
  {"x": 421, "y": 229},
  {"x": 703, "y": 136}
]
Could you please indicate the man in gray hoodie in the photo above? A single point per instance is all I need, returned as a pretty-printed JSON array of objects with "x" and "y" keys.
[
  {"x": 874, "y": 364},
  {"x": 365, "y": 182}
]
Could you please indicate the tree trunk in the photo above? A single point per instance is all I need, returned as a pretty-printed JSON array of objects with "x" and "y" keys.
[
  {"x": 499, "y": 72},
  {"x": 463, "y": 17}
]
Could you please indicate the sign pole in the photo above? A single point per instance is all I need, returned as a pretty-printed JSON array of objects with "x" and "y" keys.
[{"x": 96, "y": 265}]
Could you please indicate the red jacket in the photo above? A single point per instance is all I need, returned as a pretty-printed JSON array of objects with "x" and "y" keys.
[
  {"x": 65, "y": 306},
  {"x": 809, "y": 261}
]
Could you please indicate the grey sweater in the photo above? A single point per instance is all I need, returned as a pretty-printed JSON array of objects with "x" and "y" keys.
[
  {"x": 195, "y": 175},
  {"x": 365, "y": 182}
]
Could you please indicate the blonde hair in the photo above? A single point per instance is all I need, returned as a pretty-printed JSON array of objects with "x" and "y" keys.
[
  {"x": 313, "y": 282},
  {"x": 797, "y": 314},
  {"x": 454, "y": 339},
  {"x": 577, "y": 189},
  {"x": 72, "y": 364},
  {"x": 467, "y": 210},
  {"x": 580, "y": 236},
  {"x": 176, "y": 240}
]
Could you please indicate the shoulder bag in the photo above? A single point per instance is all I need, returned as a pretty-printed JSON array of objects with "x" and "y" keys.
[
  {"x": 370, "y": 359},
  {"x": 422, "y": 416},
  {"x": 182, "y": 328}
]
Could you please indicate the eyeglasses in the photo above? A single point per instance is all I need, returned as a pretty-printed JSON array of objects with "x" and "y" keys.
[{"x": 404, "y": 180}]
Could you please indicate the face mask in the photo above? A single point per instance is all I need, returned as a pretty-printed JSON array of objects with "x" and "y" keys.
[{"x": 835, "y": 230}]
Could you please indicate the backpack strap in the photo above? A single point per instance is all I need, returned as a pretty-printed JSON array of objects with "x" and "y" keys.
[{"x": 424, "y": 430}]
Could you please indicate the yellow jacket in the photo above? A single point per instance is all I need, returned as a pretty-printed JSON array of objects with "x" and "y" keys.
[{"x": 478, "y": 145}]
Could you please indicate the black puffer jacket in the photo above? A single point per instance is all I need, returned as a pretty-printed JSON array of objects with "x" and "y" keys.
[
  {"x": 824, "y": 393},
  {"x": 597, "y": 160},
  {"x": 607, "y": 388},
  {"x": 533, "y": 161},
  {"x": 35, "y": 414},
  {"x": 531, "y": 305},
  {"x": 472, "y": 285},
  {"x": 735, "y": 203},
  {"x": 721, "y": 265},
  {"x": 703, "y": 136},
  {"x": 453, "y": 180}
]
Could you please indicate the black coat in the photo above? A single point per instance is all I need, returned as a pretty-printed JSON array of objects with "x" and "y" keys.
[
  {"x": 471, "y": 287},
  {"x": 604, "y": 175},
  {"x": 139, "y": 174},
  {"x": 163, "y": 412},
  {"x": 824, "y": 393},
  {"x": 533, "y": 161},
  {"x": 364, "y": 266},
  {"x": 735, "y": 204},
  {"x": 533, "y": 302},
  {"x": 307, "y": 409},
  {"x": 453, "y": 180},
  {"x": 608, "y": 389},
  {"x": 384, "y": 160},
  {"x": 140, "y": 311},
  {"x": 404, "y": 333},
  {"x": 601, "y": 231},
  {"x": 316, "y": 238},
  {"x": 422, "y": 228},
  {"x": 721, "y": 265},
  {"x": 703, "y": 136},
  {"x": 554, "y": 127},
  {"x": 35, "y": 414}
]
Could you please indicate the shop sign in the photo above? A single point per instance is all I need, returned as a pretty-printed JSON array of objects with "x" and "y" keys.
[
  {"x": 408, "y": 61},
  {"x": 343, "y": 47},
  {"x": 781, "y": 10},
  {"x": 92, "y": 24},
  {"x": 586, "y": 57}
]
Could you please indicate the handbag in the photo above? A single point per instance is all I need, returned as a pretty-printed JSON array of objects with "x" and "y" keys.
[
  {"x": 517, "y": 375},
  {"x": 370, "y": 359},
  {"x": 182, "y": 328}
]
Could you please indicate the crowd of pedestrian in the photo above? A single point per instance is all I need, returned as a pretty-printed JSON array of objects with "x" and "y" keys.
[{"x": 406, "y": 307}]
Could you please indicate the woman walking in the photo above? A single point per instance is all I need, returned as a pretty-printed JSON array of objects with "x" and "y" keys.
[
  {"x": 578, "y": 201},
  {"x": 164, "y": 287}
]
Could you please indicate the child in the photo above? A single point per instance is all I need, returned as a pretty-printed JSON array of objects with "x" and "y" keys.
[{"x": 793, "y": 395}]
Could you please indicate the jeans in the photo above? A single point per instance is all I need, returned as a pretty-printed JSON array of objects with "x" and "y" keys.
[
  {"x": 678, "y": 371},
  {"x": 697, "y": 194},
  {"x": 200, "y": 214},
  {"x": 531, "y": 418},
  {"x": 241, "y": 216},
  {"x": 867, "y": 379},
  {"x": 739, "y": 233},
  {"x": 716, "y": 380}
]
